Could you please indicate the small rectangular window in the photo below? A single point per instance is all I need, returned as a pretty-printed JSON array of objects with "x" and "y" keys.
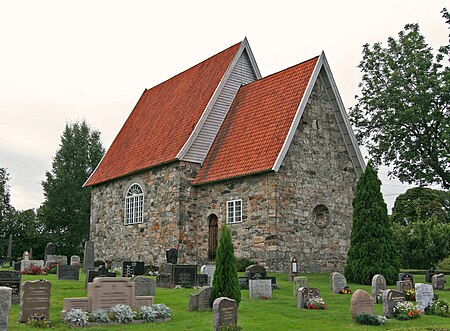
[{"x": 234, "y": 211}]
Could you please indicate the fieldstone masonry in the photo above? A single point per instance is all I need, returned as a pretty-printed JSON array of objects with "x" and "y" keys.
[{"x": 304, "y": 209}]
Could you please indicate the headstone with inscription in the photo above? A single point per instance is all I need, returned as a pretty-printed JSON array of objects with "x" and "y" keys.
[
  {"x": 200, "y": 300},
  {"x": 106, "y": 292},
  {"x": 172, "y": 256},
  {"x": 130, "y": 269},
  {"x": 164, "y": 280},
  {"x": 304, "y": 294},
  {"x": 67, "y": 272},
  {"x": 361, "y": 302},
  {"x": 88, "y": 262},
  {"x": 378, "y": 286},
  {"x": 28, "y": 264},
  {"x": 209, "y": 269},
  {"x": 5, "y": 306},
  {"x": 185, "y": 275},
  {"x": 50, "y": 249},
  {"x": 438, "y": 282},
  {"x": 260, "y": 288},
  {"x": 256, "y": 271},
  {"x": 75, "y": 260},
  {"x": 243, "y": 283},
  {"x": 390, "y": 300},
  {"x": 144, "y": 286},
  {"x": 11, "y": 279},
  {"x": 55, "y": 259},
  {"x": 225, "y": 312},
  {"x": 402, "y": 276},
  {"x": 34, "y": 299},
  {"x": 424, "y": 296},
  {"x": 404, "y": 285},
  {"x": 337, "y": 282},
  {"x": 202, "y": 280},
  {"x": 300, "y": 281}
]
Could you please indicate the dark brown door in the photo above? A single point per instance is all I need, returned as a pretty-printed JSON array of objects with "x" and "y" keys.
[{"x": 212, "y": 236}]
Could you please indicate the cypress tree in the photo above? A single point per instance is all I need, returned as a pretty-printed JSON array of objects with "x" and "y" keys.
[
  {"x": 225, "y": 282},
  {"x": 372, "y": 248}
]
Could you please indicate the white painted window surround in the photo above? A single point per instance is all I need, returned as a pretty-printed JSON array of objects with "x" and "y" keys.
[
  {"x": 234, "y": 211},
  {"x": 134, "y": 205}
]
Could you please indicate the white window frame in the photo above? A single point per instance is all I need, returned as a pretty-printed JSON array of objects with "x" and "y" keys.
[
  {"x": 134, "y": 205},
  {"x": 234, "y": 211}
]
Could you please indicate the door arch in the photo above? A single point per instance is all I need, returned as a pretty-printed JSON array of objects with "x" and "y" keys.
[{"x": 212, "y": 236}]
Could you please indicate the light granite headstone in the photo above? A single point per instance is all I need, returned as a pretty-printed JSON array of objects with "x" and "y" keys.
[
  {"x": 34, "y": 299},
  {"x": 225, "y": 312},
  {"x": 378, "y": 286},
  {"x": 200, "y": 300},
  {"x": 209, "y": 269},
  {"x": 404, "y": 285},
  {"x": 299, "y": 281},
  {"x": 67, "y": 272},
  {"x": 424, "y": 296},
  {"x": 144, "y": 286},
  {"x": 5, "y": 306},
  {"x": 337, "y": 282},
  {"x": 75, "y": 260},
  {"x": 88, "y": 262},
  {"x": 390, "y": 300},
  {"x": 11, "y": 279},
  {"x": 27, "y": 264},
  {"x": 361, "y": 302},
  {"x": 438, "y": 282},
  {"x": 305, "y": 294},
  {"x": 259, "y": 288}
]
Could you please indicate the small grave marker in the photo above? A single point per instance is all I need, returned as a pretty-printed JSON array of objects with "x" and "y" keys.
[
  {"x": 225, "y": 312},
  {"x": 164, "y": 280},
  {"x": 88, "y": 262},
  {"x": 200, "y": 300},
  {"x": 378, "y": 286},
  {"x": 337, "y": 282},
  {"x": 75, "y": 260},
  {"x": 304, "y": 294},
  {"x": 68, "y": 272},
  {"x": 300, "y": 281},
  {"x": 256, "y": 271},
  {"x": 259, "y": 288},
  {"x": 144, "y": 286},
  {"x": 361, "y": 302},
  {"x": 172, "y": 256},
  {"x": 390, "y": 300},
  {"x": 438, "y": 282},
  {"x": 11, "y": 279},
  {"x": 34, "y": 299}
]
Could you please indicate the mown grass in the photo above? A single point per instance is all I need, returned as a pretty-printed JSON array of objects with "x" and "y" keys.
[{"x": 278, "y": 313}]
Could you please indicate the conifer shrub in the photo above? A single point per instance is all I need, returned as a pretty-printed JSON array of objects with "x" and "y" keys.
[
  {"x": 225, "y": 282},
  {"x": 372, "y": 243}
]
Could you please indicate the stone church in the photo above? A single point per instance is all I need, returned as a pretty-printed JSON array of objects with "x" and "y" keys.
[{"x": 273, "y": 158}]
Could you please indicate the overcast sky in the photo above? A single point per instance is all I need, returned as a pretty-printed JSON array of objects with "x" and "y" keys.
[{"x": 64, "y": 61}]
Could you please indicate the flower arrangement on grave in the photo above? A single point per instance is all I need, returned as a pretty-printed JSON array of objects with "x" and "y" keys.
[
  {"x": 39, "y": 321},
  {"x": 367, "y": 319},
  {"x": 35, "y": 270},
  {"x": 439, "y": 308},
  {"x": 316, "y": 303},
  {"x": 345, "y": 290},
  {"x": 405, "y": 311},
  {"x": 410, "y": 295}
]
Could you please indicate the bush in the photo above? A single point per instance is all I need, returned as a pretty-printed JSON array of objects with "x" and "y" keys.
[
  {"x": 123, "y": 313},
  {"x": 77, "y": 317},
  {"x": 368, "y": 319},
  {"x": 444, "y": 264},
  {"x": 155, "y": 312},
  {"x": 39, "y": 321},
  {"x": 100, "y": 316},
  {"x": 242, "y": 263},
  {"x": 439, "y": 308}
]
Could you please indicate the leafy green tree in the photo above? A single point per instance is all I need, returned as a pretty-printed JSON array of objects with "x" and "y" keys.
[
  {"x": 372, "y": 249},
  {"x": 402, "y": 115},
  {"x": 225, "y": 282},
  {"x": 65, "y": 211}
]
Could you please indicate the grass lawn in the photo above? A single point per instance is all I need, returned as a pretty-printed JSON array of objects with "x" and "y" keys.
[{"x": 278, "y": 313}]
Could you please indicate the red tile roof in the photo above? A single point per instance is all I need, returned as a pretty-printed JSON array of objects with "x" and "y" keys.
[
  {"x": 257, "y": 124},
  {"x": 163, "y": 119}
]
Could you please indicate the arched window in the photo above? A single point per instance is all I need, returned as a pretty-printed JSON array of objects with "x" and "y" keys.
[{"x": 134, "y": 204}]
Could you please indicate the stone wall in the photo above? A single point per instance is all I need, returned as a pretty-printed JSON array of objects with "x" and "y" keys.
[{"x": 278, "y": 219}]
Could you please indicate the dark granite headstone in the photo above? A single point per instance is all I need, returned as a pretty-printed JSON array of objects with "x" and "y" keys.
[
  {"x": 50, "y": 249},
  {"x": 99, "y": 263},
  {"x": 88, "y": 262},
  {"x": 390, "y": 300},
  {"x": 402, "y": 276},
  {"x": 243, "y": 283},
  {"x": 101, "y": 272},
  {"x": 16, "y": 266},
  {"x": 185, "y": 275},
  {"x": 256, "y": 271},
  {"x": 202, "y": 280},
  {"x": 164, "y": 280},
  {"x": 172, "y": 256},
  {"x": 130, "y": 269},
  {"x": 67, "y": 272},
  {"x": 11, "y": 279}
]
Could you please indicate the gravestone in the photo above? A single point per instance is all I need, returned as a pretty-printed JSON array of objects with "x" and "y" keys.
[
  {"x": 16, "y": 266},
  {"x": 50, "y": 249},
  {"x": 424, "y": 296},
  {"x": 172, "y": 256},
  {"x": 9, "y": 251},
  {"x": 88, "y": 261},
  {"x": 390, "y": 300},
  {"x": 202, "y": 280},
  {"x": 337, "y": 282},
  {"x": 438, "y": 281},
  {"x": 225, "y": 312},
  {"x": 74, "y": 303},
  {"x": 200, "y": 300},
  {"x": 34, "y": 299},
  {"x": 5, "y": 306},
  {"x": 259, "y": 288},
  {"x": 130, "y": 269},
  {"x": 185, "y": 275},
  {"x": 428, "y": 275},
  {"x": 304, "y": 294},
  {"x": 55, "y": 259},
  {"x": 144, "y": 286},
  {"x": 300, "y": 281},
  {"x": 378, "y": 286},
  {"x": 209, "y": 269},
  {"x": 27, "y": 264},
  {"x": 404, "y": 285},
  {"x": 101, "y": 272},
  {"x": 167, "y": 269},
  {"x": 75, "y": 260},
  {"x": 11, "y": 279},
  {"x": 99, "y": 263},
  {"x": 256, "y": 271},
  {"x": 164, "y": 280},
  {"x": 26, "y": 256},
  {"x": 243, "y": 283},
  {"x": 402, "y": 276},
  {"x": 106, "y": 292},
  {"x": 67, "y": 272},
  {"x": 361, "y": 302}
]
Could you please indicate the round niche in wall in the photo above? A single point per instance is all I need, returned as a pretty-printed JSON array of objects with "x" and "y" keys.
[{"x": 321, "y": 216}]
